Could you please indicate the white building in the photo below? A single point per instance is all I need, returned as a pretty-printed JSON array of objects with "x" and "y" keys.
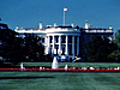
[
  {"x": 60, "y": 41},
  {"x": 66, "y": 42}
]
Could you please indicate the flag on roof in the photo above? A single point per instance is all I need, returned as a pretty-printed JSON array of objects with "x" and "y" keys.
[{"x": 65, "y": 9}]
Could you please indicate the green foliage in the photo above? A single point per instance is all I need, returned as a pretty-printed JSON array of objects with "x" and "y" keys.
[
  {"x": 33, "y": 48},
  {"x": 114, "y": 56},
  {"x": 117, "y": 38},
  {"x": 17, "y": 49},
  {"x": 99, "y": 48},
  {"x": 10, "y": 45}
]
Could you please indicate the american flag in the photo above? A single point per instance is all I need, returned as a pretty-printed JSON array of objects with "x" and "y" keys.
[{"x": 65, "y": 9}]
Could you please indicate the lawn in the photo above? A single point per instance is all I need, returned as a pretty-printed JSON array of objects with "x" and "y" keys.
[
  {"x": 61, "y": 65},
  {"x": 71, "y": 65},
  {"x": 61, "y": 80}
]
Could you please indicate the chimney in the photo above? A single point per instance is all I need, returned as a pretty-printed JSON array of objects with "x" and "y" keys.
[
  {"x": 86, "y": 25},
  {"x": 40, "y": 25},
  {"x": 72, "y": 24},
  {"x": 16, "y": 28},
  {"x": 91, "y": 25},
  {"x": 110, "y": 27},
  {"x": 55, "y": 24}
]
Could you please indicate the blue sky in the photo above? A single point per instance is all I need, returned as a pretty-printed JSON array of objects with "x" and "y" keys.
[{"x": 29, "y": 13}]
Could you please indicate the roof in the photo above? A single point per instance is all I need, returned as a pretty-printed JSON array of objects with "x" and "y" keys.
[
  {"x": 37, "y": 28},
  {"x": 94, "y": 29},
  {"x": 63, "y": 27}
]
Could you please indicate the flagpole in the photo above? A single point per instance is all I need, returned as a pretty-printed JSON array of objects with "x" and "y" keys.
[
  {"x": 64, "y": 10},
  {"x": 63, "y": 18}
]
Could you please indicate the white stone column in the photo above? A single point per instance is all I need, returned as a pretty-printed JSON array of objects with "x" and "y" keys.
[
  {"x": 45, "y": 39},
  {"x": 78, "y": 45},
  {"x": 45, "y": 45},
  {"x": 73, "y": 46},
  {"x": 59, "y": 51},
  {"x": 66, "y": 45},
  {"x": 48, "y": 42},
  {"x": 46, "y": 50},
  {"x": 53, "y": 43}
]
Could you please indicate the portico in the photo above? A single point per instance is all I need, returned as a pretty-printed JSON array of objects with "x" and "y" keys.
[{"x": 63, "y": 45}]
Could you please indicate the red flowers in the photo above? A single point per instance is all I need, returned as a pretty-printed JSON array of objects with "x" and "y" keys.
[{"x": 61, "y": 69}]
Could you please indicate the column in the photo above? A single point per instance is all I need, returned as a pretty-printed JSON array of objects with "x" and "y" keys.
[
  {"x": 78, "y": 45},
  {"x": 53, "y": 43},
  {"x": 45, "y": 39},
  {"x": 67, "y": 48},
  {"x": 46, "y": 47},
  {"x": 73, "y": 46},
  {"x": 59, "y": 51},
  {"x": 48, "y": 42},
  {"x": 66, "y": 45}
]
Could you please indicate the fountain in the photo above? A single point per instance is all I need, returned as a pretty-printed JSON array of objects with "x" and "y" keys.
[
  {"x": 21, "y": 66},
  {"x": 66, "y": 67},
  {"x": 55, "y": 63}
]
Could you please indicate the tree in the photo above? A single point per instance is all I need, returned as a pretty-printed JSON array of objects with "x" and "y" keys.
[
  {"x": 33, "y": 47},
  {"x": 114, "y": 56},
  {"x": 99, "y": 48},
  {"x": 117, "y": 38},
  {"x": 18, "y": 49},
  {"x": 10, "y": 44}
]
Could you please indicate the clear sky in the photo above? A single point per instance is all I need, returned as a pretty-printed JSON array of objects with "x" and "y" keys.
[{"x": 29, "y": 13}]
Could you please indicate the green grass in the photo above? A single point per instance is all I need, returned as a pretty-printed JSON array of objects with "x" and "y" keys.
[
  {"x": 61, "y": 81},
  {"x": 70, "y": 65}
]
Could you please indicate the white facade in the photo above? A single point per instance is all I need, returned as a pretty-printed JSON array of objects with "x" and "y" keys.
[
  {"x": 66, "y": 42},
  {"x": 60, "y": 41}
]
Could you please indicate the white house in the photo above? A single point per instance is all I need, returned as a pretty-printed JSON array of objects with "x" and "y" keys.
[
  {"x": 65, "y": 42},
  {"x": 60, "y": 41}
]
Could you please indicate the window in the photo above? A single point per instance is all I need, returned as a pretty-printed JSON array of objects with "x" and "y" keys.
[
  {"x": 51, "y": 39},
  {"x": 63, "y": 39},
  {"x": 75, "y": 39},
  {"x": 43, "y": 40},
  {"x": 69, "y": 39},
  {"x": 63, "y": 50},
  {"x": 75, "y": 49},
  {"x": 70, "y": 49},
  {"x": 56, "y": 39},
  {"x": 50, "y": 50},
  {"x": 56, "y": 50}
]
